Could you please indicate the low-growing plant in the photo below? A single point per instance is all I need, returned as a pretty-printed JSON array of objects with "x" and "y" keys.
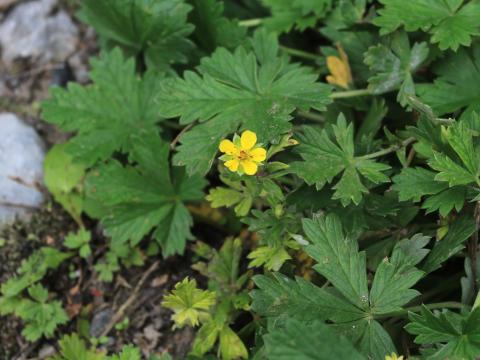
[{"x": 342, "y": 134}]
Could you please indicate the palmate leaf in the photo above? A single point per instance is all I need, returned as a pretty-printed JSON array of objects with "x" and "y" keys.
[
  {"x": 282, "y": 298},
  {"x": 327, "y": 154},
  {"x": 156, "y": 28},
  {"x": 348, "y": 305},
  {"x": 298, "y": 14},
  {"x": 338, "y": 258},
  {"x": 315, "y": 341},
  {"x": 393, "y": 64},
  {"x": 461, "y": 229},
  {"x": 415, "y": 183},
  {"x": 106, "y": 114},
  {"x": 458, "y": 335},
  {"x": 450, "y": 22},
  {"x": 455, "y": 87},
  {"x": 146, "y": 196},
  {"x": 256, "y": 90}
]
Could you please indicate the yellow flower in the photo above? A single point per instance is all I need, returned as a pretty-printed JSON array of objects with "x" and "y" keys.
[
  {"x": 393, "y": 356},
  {"x": 241, "y": 154},
  {"x": 339, "y": 69}
]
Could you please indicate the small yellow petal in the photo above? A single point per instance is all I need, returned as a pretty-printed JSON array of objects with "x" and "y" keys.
[
  {"x": 248, "y": 140},
  {"x": 258, "y": 154},
  {"x": 249, "y": 167},
  {"x": 232, "y": 165},
  {"x": 339, "y": 70},
  {"x": 228, "y": 147}
]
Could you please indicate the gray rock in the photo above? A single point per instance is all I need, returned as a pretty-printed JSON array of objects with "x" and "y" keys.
[
  {"x": 30, "y": 32},
  {"x": 21, "y": 168},
  {"x": 100, "y": 321}
]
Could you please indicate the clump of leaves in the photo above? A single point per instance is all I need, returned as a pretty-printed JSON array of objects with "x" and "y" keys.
[
  {"x": 25, "y": 297},
  {"x": 358, "y": 219}
]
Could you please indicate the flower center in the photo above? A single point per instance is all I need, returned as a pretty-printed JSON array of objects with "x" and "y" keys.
[{"x": 243, "y": 155}]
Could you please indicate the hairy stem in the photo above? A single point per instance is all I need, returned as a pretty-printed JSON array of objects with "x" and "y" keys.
[
  {"x": 311, "y": 116},
  {"x": 417, "y": 308},
  {"x": 390, "y": 149},
  {"x": 350, "y": 93},
  {"x": 300, "y": 53},
  {"x": 250, "y": 22}
]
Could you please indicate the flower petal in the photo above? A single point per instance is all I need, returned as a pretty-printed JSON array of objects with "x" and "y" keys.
[
  {"x": 258, "y": 154},
  {"x": 228, "y": 147},
  {"x": 249, "y": 167},
  {"x": 248, "y": 140},
  {"x": 232, "y": 165}
]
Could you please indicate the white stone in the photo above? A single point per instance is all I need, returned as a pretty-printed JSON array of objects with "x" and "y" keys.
[
  {"x": 21, "y": 168},
  {"x": 30, "y": 32}
]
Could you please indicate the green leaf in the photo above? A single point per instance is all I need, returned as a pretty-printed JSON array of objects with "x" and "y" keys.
[
  {"x": 33, "y": 269},
  {"x": 446, "y": 201},
  {"x": 458, "y": 335},
  {"x": 450, "y": 171},
  {"x": 282, "y": 298},
  {"x": 231, "y": 346},
  {"x": 315, "y": 341},
  {"x": 41, "y": 318},
  {"x": 73, "y": 348},
  {"x": 450, "y": 23},
  {"x": 295, "y": 14},
  {"x": 454, "y": 88},
  {"x": 62, "y": 178},
  {"x": 338, "y": 258},
  {"x": 146, "y": 196},
  {"x": 79, "y": 240},
  {"x": 272, "y": 258},
  {"x": 393, "y": 64},
  {"x": 156, "y": 29},
  {"x": 108, "y": 113},
  {"x": 128, "y": 352},
  {"x": 326, "y": 156},
  {"x": 257, "y": 90},
  {"x": 212, "y": 28},
  {"x": 188, "y": 302},
  {"x": 394, "y": 277},
  {"x": 413, "y": 183},
  {"x": 205, "y": 338},
  {"x": 458, "y": 232}
]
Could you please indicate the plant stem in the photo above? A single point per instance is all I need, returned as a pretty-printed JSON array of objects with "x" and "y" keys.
[
  {"x": 417, "y": 308},
  {"x": 300, "y": 53},
  {"x": 389, "y": 150},
  {"x": 250, "y": 22},
  {"x": 311, "y": 116},
  {"x": 350, "y": 93}
]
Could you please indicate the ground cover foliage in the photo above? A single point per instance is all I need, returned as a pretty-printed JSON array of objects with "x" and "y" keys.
[{"x": 343, "y": 135}]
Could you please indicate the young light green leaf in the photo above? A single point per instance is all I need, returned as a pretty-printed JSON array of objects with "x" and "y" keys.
[{"x": 188, "y": 302}]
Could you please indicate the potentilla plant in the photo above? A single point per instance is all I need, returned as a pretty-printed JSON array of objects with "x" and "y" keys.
[{"x": 342, "y": 134}]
